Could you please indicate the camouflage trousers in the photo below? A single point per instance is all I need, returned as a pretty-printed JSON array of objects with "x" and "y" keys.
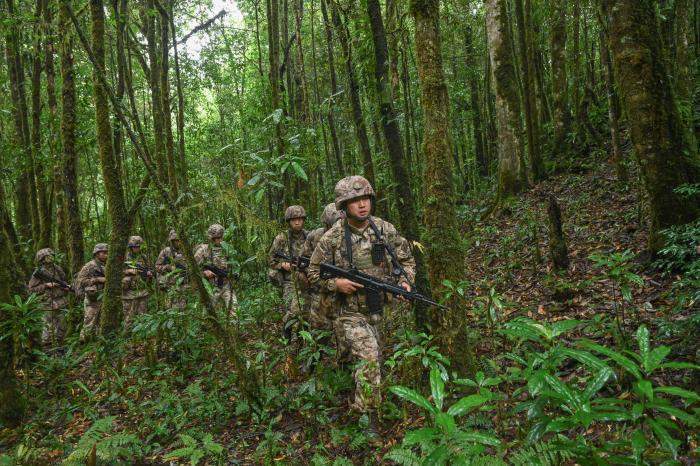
[
  {"x": 358, "y": 341},
  {"x": 134, "y": 307},
  {"x": 226, "y": 297},
  {"x": 176, "y": 297},
  {"x": 54, "y": 327},
  {"x": 91, "y": 319},
  {"x": 315, "y": 310},
  {"x": 291, "y": 296}
]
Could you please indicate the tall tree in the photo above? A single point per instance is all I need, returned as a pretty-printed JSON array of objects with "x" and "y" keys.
[
  {"x": 445, "y": 256},
  {"x": 154, "y": 62},
  {"x": 512, "y": 177},
  {"x": 392, "y": 135},
  {"x": 120, "y": 224},
  {"x": 68, "y": 139},
  {"x": 562, "y": 114},
  {"x": 666, "y": 157},
  {"x": 330, "y": 116},
  {"x": 472, "y": 67}
]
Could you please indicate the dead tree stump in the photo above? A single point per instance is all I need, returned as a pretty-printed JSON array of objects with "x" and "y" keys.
[{"x": 558, "y": 251}]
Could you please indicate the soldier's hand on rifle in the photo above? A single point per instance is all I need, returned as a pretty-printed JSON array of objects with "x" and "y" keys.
[
  {"x": 208, "y": 273},
  {"x": 50, "y": 285},
  {"x": 286, "y": 266},
  {"x": 172, "y": 267},
  {"x": 406, "y": 287},
  {"x": 346, "y": 286},
  {"x": 100, "y": 280},
  {"x": 131, "y": 271}
]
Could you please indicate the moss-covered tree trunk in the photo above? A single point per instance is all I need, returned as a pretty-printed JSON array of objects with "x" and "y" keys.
[
  {"x": 658, "y": 135},
  {"x": 404, "y": 196},
  {"x": 445, "y": 257},
  {"x": 68, "y": 138},
  {"x": 149, "y": 20},
  {"x": 472, "y": 66},
  {"x": 110, "y": 318},
  {"x": 330, "y": 116},
  {"x": 512, "y": 177},
  {"x": 183, "y": 180},
  {"x": 165, "y": 100},
  {"x": 613, "y": 111}
]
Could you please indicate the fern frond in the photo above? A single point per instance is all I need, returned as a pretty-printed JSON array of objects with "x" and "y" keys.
[{"x": 402, "y": 456}]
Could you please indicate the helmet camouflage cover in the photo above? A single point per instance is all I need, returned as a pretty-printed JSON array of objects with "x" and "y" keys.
[
  {"x": 135, "y": 241},
  {"x": 42, "y": 254},
  {"x": 215, "y": 231},
  {"x": 330, "y": 214},
  {"x": 352, "y": 187},
  {"x": 172, "y": 236},
  {"x": 294, "y": 211},
  {"x": 99, "y": 247}
]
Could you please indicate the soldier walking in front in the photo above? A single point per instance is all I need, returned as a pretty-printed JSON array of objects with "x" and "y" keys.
[
  {"x": 171, "y": 267},
  {"x": 134, "y": 283},
  {"x": 49, "y": 282},
  {"x": 213, "y": 254},
  {"x": 91, "y": 282},
  {"x": 364, "y": 243},
  {"x": 281, "y": 272}
]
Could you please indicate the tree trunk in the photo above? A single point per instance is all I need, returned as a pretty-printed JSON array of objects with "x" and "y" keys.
[
  {"x": 404, "y": 197},
  {"x": 70, "y": 156},
  {"x": 683, "y": 77},
  {"x": 165, "y": 96},
  {"x": 472, "y": 66},
  {"x": 330, "y": 116},
  {"x": 613, "y": 112},
  {"x": 445, "y": 257},
  {"x": 302, "y": 88},
  {"x": 562, "y": 114},
  {"x": 529, "y": 92},
  {"x": 183, "y": 181},
  {"x": 511, "y": 169},
  {"x": 110, "y": 318},
  {"x": 53, "y": 126},
  {"x": 149, "y": 18},
  {"x": 658, "y": 135},
  {"x": 273, "y": 40},
  {"x": 354, "y": 90}
]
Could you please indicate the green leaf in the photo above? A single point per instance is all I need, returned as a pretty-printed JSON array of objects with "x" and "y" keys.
[
  {"x": 596, "y": 383},
  {"x": 437, "y": 457},
  {"x": 563, "y": 326},
  {"x": 584, "y": 357},
  {"x": 414, "y": 397},
  {"x": 679, "y": 365},
  {"x": 644, "y": 387},
  {"x": 426, "y": 434},
  {"x": 655, "y": 357},
  {"x": 643, "y": 341},
  {"x": 446, "y": 422},
  {"x": 466, "y": 404},
  {"x": 299, "y": 171},
  {"x": 563, "y": 390},
  {"x": 478, "y": 437},
  {"x": 676, "y": 391},
  {"x": 639, "y": 443},
  {"x": 437, "y": 387},
  {"x": 625, "y": 362},
  {"x": 677, "y": 413},
  {"x": 664, "y": 437}
]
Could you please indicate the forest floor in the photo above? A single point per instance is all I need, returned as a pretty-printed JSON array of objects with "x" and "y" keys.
[{"x": 185, "y": 406}]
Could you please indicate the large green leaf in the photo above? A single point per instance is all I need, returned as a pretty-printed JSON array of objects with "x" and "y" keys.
[
  {"x": 596, "y": 383},
  {"x": 644, "y": 388},
  {"x": 676, "y": 391},
  {"x": 664, "y": 438},
  {"x": 446, "y": 422},
  {"x": 675, "y": 412},
  {"x": 563, "y": 326},
  {"x": 466, "y": 404},
  {"x": 437, "y": 457},
  {"x": 437, "y": 387},
  {"x": 643, "y": 341},
  {"x": 414, "y": 397},
  {"x": 654, "y": 358},
  {"x": 426, "y": 434},
  {"x": 478, "y": 437},
  {"x": 563, "y": 391},
  {"x": 625, "y": 362},
  {"x": 584, "y": 357}
]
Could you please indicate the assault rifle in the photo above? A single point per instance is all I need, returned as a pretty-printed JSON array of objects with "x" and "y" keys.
[
  {"x": 373, "y": 287},
  {"x": 181, "y": 269},
  {"x": 142, "y": 269},
  {"x": 221, "y": 274},
  {"x": 41, "y": 275},
  {"x": 300, "y": 262}
]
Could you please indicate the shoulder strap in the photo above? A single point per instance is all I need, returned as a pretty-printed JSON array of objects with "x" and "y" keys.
[
  {"x": 396, "y": 266},
  {"x": 348, "y": 244}
]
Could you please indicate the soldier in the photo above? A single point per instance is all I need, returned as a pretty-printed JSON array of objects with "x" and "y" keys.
[
  {"x": 90, "y": 282},
  {"x": 281, "y": 273},
  {"x": 212, "y": 253},
  {"x": 315, "y": 311},
  {"x": 134, "y": 289},
  {"x": 172, "y": 272},
  {"x": 364, "y": 243},
  {"x": 49, "y": 282}
]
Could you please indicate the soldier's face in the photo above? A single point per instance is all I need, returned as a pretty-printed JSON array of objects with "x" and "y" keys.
[
  {"x": 135, "y": 249},
  {"x": 48, "y": 260},
  {"x": 359, "y": 208},
  {"x": 296, "y": 224},
  {"x": 216, "y": 241},
  {"x": 101, "y": 256},
  {"x": 177, "y": 244}
]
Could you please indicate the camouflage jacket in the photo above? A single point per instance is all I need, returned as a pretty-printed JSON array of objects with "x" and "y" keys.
[
  {"x": 167, "y": 257},
  {"x": 309, "y": 245},
  {"x": 331, "y": 248},
  {"x": 288, "y": 243},
  {"x": 87, "y": 279},
  {"x": 206, "y": 253},
  {"x": 54, "y": 298},
  {"x": 134, "y": 286}
]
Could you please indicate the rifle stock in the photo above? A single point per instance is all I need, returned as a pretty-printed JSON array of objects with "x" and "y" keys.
[{"x": 300, "y": 262}]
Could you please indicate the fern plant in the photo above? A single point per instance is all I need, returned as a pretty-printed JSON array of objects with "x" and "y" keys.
[
  {"x": 109, "y": 447},
  {"x": 195, "y": 451}
]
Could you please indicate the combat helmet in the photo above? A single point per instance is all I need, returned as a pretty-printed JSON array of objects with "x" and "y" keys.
[
  {"x": 172, "y": 236},
  {"x": 135, "y": 241},
  {"x": 294, "y": 211},
  {"x": 352, "y": 187},
  {"x": 215, "y": 231},
  {"x": 42, "y": 254},
  {"x": 330, "y": 214},
  {"x": 99, "y": 247}
]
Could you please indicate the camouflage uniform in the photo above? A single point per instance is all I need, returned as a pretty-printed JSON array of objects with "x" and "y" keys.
[
  {"x": 292, "y": 244},
  {"x": 207, "y": 253},
  {"x": 175, "y": 282},
  {"x": 134, "y": 288},
  {"x": 356, "y": 330},
  {"x": 54, "y": 300},
  {"x": 318, "y": 304},
  {"x": 87, "y": 281}
]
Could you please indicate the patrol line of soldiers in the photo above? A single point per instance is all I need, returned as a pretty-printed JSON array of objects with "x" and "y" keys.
[
  {"x": 50, "y": 283},
  {"x": 348, "y": 240}
]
